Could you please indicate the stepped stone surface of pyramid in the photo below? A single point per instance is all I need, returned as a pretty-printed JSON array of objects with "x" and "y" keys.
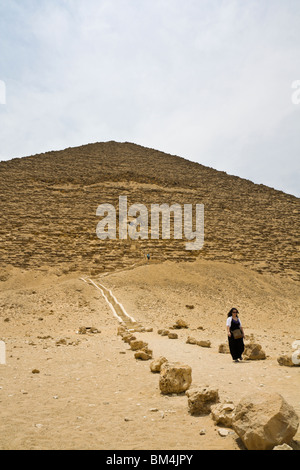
[{"x": 49, "y": 202}]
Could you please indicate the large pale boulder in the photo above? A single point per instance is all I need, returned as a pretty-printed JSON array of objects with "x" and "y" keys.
[
  {"x": 264, "y": 420},
  {"x": 174, "y": 378},
  {"x": 201, "y": 400}
]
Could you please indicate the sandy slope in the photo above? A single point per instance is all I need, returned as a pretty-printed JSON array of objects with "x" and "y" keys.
[{"x": 92, "y": 394}]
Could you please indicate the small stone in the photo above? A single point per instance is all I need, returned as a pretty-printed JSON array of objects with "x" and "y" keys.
[
  {"x": 94, "y": 330},
  {"x": 173, "y": 336},
  {"x": 180, "y": 324},
  {"x": 82, "y": 330},
  {"x": 222, "y": 414},
  {"x": 144, "y": 354},
  {"x": 283, "y": 447},
  {"x": 223, "y": 432},
  {"x": 285, "y": 360},
  {"x": 137, "y": 345},
  {"x": 155, "y": 365},
  {"x": 61, "y": 342},
  {"x": 163, "y": 332}
]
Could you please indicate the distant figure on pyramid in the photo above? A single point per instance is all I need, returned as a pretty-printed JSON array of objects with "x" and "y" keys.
[{"x": 148, "y": 257}]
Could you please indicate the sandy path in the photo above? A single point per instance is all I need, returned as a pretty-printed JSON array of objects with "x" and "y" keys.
[{"x": 218, "y": 370}]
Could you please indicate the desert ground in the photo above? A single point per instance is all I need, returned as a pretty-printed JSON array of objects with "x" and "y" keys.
[{"x": 63, "y": 390}]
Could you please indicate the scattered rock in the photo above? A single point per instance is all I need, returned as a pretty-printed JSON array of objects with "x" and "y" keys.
[
  {"x": 175, "y": 378},
  {"x": 224, "y": 348},
  {"x": 292, "y": 360},
  {"x": 121, "y": 330},
  {"x": 190, "y": 307},
  {"x": 264, "y": 420},
  {"x": 136, "y": 345},
  {"x": 155, "y": 365},
  {"x": 222, "y": 414},
  {"x": 82, "y": 330},
  {"x": 285, "y": 360},
  {"x": 254, "y": 352},
  {"x": 283, "y": 447},
  {"x": 202, "y": 343},
  {"x": 201, "y": 400},
  {"x": 143, "y": 354},
  {"x": 61, "y": 342},
  {"x": 191, "y": 340},
  {"x": 93, "y": 330},
  {"x": 180, "y": 324},
  {"x": 163, "y": 332},
  {"x": 128, "y": 338},
  {"x": 173, "y": 336},
  {"x": 35, "y": 371},
  {"x": 223, "y": 432}
]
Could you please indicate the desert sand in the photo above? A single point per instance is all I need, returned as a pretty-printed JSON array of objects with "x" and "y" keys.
[{"x": 89, "y": 392}]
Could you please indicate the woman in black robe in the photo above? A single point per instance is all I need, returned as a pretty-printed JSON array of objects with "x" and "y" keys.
[{"x": 236, "y": 345}]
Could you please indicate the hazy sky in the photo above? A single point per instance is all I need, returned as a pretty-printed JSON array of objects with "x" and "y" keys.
[{"x": 208, "y": 80}]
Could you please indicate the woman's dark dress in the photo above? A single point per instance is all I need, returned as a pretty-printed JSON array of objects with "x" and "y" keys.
[{"x": 236, "y": 346}]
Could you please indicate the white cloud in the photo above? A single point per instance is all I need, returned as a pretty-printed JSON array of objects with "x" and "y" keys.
[{"x": 207, "y": 80}]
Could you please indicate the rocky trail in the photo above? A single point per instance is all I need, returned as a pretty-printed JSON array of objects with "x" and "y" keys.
[
  {"x": 72, "y": 379},
  {"x": 211, "y": 368}
]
